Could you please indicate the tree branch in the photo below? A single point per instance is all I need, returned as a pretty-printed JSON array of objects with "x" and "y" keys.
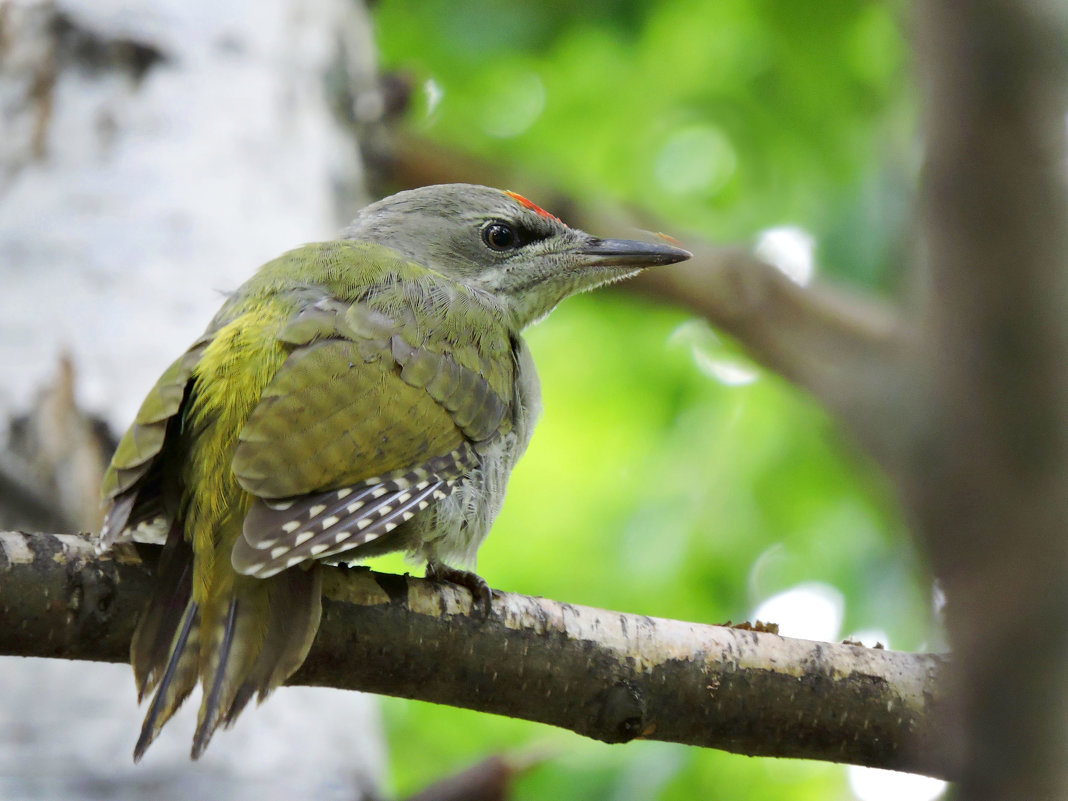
[{"x": 606, "y": 675}]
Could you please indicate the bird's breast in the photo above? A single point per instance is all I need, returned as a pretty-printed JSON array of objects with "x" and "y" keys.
[{"x": 453, "y": 529}]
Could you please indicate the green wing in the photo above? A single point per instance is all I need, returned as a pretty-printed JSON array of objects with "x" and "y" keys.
[
  {"x": 138, "y": 451},
  {"x": 370, "y": 419},
  {"x": 394, "y": 376}
]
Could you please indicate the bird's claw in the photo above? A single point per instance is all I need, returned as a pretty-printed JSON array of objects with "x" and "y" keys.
[{"x": 481, "y": 594}]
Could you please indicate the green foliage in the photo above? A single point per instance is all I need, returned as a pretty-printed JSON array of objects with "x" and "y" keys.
[{"x": 650, "y": 486}]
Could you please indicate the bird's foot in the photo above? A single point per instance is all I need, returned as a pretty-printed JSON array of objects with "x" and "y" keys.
[{"x": 479, "y": 589}]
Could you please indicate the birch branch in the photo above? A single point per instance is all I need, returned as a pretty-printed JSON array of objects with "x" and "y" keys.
[{"x": 607, "y": 675}]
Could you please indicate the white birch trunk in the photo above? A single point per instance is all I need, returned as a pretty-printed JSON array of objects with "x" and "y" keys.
[{"x": 153, "y": 154}]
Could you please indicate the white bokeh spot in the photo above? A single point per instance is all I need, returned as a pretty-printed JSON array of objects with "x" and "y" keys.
[
  {"x": 434, "y": 94},
  {"x": 874, "y": 784},
  {"x": 810, "y": 611},
  {"x": 712, "y": 356},
  {"x": 790, "y": 249}
]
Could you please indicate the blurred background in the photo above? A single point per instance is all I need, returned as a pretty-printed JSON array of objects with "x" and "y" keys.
[{"x": 670, "y": 476}]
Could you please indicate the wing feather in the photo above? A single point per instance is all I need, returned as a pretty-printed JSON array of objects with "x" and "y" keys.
[
  {"x": 132, "y": 464},
  {"x": 366, "y": 423},
  {"x": 323, "y": 536},
  {"x": 280, "y": 534}
]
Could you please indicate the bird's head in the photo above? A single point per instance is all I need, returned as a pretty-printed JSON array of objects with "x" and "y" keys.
[{"x": 501, "y": 243}]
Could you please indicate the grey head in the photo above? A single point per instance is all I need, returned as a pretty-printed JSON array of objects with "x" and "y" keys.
[{"x": 501, "y": 243}]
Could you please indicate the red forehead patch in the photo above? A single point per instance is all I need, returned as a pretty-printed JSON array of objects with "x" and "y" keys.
[{"x": 529, "y": 204}]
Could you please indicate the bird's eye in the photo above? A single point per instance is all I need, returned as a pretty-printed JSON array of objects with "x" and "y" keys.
[{"x": 500, "y": 236}]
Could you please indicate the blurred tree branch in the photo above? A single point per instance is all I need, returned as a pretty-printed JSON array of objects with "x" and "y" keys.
[{"x": 607, "y": 675}]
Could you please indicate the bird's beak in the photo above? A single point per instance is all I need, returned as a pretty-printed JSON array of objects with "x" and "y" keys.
[{"x": 628, "y": 253}]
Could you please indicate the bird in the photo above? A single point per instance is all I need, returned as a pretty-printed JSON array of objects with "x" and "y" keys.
[{"x": 354, "y": 397}]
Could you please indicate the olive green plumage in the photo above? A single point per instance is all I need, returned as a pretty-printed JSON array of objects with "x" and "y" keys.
[{"x": 354, "y": 397}]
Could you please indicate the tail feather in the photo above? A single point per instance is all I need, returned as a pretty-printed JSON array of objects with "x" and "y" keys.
[
  {"x": 245, "y": 639},
  {"x": 219, "y": 670},
  {"x": 154, "y": 639},
  {"x": 177, "y": 682},
  {"x": 261, "y": 640},
  {"x": 295, "y": 611},
  {"x": 150, "y": 651},
  {"x": 297, "y": 621}
]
